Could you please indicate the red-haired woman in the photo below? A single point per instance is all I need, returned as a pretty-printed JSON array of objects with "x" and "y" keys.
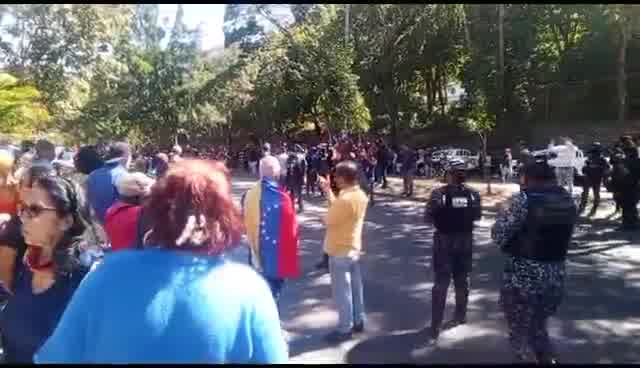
[{"x": 178, "y": 300}]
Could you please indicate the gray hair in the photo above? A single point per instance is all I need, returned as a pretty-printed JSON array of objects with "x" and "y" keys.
[{"x": 270, "y": 167}]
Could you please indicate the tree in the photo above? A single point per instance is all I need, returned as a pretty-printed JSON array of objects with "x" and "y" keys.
[
  {"x": 241, "y": 26},
  {"x": 21, "y": 110},
  {"x": 147, "y": 32},
  {"x": 624, "y": 19},
  {"x": 56, "y": 42},
  {"x": 300, "y": 12},
  {"x": 481, "y": 122}
]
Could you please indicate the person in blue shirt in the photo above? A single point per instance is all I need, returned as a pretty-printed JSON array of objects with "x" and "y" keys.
[
  {"x": 101, "y": 189},
  {"x": 177, "y": 300},
  {"x": 52, "y": 225}
]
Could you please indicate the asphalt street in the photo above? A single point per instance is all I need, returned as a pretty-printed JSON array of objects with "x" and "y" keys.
[{"x": 599, "y": 321}]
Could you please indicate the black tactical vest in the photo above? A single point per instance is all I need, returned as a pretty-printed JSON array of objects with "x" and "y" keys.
[
  {"x": 457, "y": 213},
  {"x": 546, "y": 234}
]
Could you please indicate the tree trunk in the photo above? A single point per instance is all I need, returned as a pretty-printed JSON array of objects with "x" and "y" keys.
[
  {"x": 394, "y": 126},
  {"x": 486, "y": 169},
  {"x": 622, "y": 73},
  {"x": 500, "y": 79},
  {"x": 316, "y": 122},
  {"x": 467, "y": 33},
  {"x": 228, "y": 128},
  {"x": 429, "y": 88}
]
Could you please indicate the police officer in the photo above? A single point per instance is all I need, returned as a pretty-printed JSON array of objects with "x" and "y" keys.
[
  {"x": 534, "y": 230},
  {"x": 629, "y": 185},
  {"x": 615, "y": 180},
  {"x": 296, "y": 167},
  {"x": 313, "y": 167},
  {"x": 452, "y": 209},
  {"x": 596, "y": 168}
]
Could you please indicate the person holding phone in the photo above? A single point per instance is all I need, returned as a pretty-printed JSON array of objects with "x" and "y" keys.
[{"x": 343, "y": 245}]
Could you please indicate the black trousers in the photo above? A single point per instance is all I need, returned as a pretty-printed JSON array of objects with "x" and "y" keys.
[
  {"x": 591, "y": 184},
  {"x": 295, "y": 191},
  {"x": 452, "y": 259},
  {"x": 629, "y": 204}
]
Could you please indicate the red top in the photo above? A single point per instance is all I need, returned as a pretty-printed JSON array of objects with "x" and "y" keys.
[
  {"x": 121, "y": 222},
  {"x": 9, "y": 201}
]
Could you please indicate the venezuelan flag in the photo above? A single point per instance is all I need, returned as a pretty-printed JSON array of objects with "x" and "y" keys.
[{"x": 272, "y": 230}]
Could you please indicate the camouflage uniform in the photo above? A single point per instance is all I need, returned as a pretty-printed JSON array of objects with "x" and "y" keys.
[{"x": 531, "y": 290}]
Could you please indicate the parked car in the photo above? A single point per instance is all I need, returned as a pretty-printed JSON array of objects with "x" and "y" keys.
[{"x": 470, "y": 160}]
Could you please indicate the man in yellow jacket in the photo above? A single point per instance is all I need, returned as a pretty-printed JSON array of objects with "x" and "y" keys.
[{"x": 343, "y": 244}]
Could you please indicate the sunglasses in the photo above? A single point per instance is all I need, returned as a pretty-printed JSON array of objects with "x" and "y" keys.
[{"x": 33, "y": 210}]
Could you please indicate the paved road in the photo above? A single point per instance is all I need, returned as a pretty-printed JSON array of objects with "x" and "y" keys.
[{"x": 599, "y": 322}]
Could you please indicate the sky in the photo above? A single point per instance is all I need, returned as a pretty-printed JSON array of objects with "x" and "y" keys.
[
  {"x": 211, "y": 19},
  {"x": 209, "y": 16}
]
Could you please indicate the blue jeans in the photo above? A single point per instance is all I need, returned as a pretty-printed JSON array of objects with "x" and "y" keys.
[{"x": 346, "y": 284}]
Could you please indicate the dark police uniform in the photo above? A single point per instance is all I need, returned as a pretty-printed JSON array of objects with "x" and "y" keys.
[
  {"x": 629, "y": 189},
  {"x": 595, "y": 170},
  {"x": 452, "y": 209},
  {"x": 313, "y": 168},
  {"x": 614, "y": 182},
  {"x": 294, "y": 181},
  {"x": 535, "y": 232}
]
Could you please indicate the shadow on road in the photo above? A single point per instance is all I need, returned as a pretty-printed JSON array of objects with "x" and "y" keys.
[
  {"x": 413, "y": 348},
  {"x": 598, "y": 322}
]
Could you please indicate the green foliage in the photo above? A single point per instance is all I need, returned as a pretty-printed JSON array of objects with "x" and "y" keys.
[
  {"x": 21, "y": 111},
  {"x": 102, "y": 72}
]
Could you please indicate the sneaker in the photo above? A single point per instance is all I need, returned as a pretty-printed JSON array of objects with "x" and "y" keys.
[
  {"x": 337, "y": 337},
  {"x": 358, "y": 328}
]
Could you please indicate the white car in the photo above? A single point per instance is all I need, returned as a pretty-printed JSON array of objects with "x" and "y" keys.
[
  {"x": 578, "y": 162},
  {"x": 471, "y": 161}
]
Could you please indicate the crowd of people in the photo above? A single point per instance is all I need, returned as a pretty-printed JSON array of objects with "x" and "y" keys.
[{"x": 124, "y": 261}]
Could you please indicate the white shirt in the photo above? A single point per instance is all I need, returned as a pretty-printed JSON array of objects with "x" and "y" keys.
[{"x": 283, "y": 160}]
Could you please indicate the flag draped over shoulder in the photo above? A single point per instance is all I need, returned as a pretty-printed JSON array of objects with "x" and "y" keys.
[{"x": 272, "y": 230}]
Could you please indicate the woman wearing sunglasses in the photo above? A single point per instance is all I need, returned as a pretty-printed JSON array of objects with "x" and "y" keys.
[{"x": 52, "y": 226}]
